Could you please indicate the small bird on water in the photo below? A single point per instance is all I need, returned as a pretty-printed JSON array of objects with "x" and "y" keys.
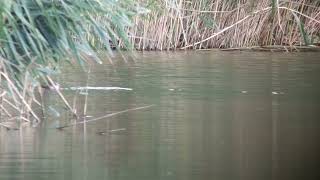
[{"x": 50, "y": 86}]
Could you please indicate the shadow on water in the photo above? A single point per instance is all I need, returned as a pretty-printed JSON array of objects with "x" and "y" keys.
[{"x": 220, "y": 115}]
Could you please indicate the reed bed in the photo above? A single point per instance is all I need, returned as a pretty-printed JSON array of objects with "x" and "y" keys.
[
  {"x": 18, "y": 104},
  {"x": 37, "y": 36},
  {"x": 205, "y": 24}
]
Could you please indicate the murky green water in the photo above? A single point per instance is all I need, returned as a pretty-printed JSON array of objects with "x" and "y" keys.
[{"x": 216, "y": 116}]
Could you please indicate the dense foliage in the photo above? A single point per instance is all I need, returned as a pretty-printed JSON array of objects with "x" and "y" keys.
[{"x": 36, "y": 35}]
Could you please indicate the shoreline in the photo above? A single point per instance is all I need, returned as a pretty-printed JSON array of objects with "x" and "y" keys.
[{"x": 275, "y": 48}]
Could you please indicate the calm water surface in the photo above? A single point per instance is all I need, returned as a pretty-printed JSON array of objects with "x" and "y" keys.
[{"x": 216, "y": 116}]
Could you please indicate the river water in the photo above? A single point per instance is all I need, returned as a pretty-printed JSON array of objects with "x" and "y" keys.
[{"x": 214, "y": 115}]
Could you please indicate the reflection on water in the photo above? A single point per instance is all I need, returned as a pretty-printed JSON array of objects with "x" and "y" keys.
[{"x": 217, "y": 115}]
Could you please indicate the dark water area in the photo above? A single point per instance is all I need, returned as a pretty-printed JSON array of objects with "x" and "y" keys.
[{"x": 216, "y": 115}]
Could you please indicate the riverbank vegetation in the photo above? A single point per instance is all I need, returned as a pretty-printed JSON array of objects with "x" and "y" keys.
[
  {"x": 37, "y": 36},
  {"x": 205, "y": 24}
]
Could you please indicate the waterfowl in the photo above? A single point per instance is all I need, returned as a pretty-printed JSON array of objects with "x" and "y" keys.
[{"x": 50, "y": 86}]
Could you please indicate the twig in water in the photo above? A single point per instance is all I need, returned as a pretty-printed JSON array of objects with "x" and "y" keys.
[{"x": 106, "y": 116}]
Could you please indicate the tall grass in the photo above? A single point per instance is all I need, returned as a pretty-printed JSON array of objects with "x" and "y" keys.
[
  {"x": 36, "y": 36},
  {"x": 197, "y": 24}
]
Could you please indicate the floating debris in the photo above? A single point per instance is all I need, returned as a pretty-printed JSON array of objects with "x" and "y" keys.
[
  {"x": 97, "y": 88},
  {"x": 101, "y": 133},
  {"x": 116, "y": 130},
  {"x": 111, "y": 131},
  {"x": 244, "y": 92},
  {"x": 274, "y": 93},
  {"x": 172, "y": 89}
]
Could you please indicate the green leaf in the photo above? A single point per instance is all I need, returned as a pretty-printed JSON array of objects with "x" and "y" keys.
[{"x": 302, "y": 30}]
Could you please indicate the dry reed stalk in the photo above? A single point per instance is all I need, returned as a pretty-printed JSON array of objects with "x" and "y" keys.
[
  {"x": 5, "y": 111},
  {"x": 86, "y": 94},
  {"x": 206, "y": 24},
  {"x": 75, "y": 99},
  {"x": 15, "y": 105},
  {"x": 18, "y": 94},
  {"x": 61, "y": 96}
]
